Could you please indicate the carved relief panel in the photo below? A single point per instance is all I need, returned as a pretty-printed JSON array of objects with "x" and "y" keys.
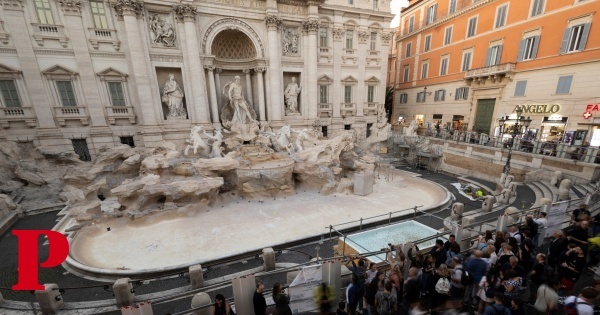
[
  {"x": 162, "y": 30},
  {"x": 290, "y": 41}
]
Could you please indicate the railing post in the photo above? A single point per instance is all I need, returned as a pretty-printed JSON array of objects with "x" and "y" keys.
[
  {"x": 415, "y": 215},
  {"x": 330, "y": 227},
  {"x": 344, "y": 247},
  {"x": 390, "y": 218}
]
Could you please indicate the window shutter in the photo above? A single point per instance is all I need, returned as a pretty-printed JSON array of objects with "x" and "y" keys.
[
  {"x": 536, "y": 43},
  {"x": 565, "y": 40},
  {"x": 466, "y": 93},
  {"x": 584, "y": 36},
  {"x": 499, "y": 55},
  {"x": 521, "y": 50},
  {"x": 488, "y": 57},
  {"x": 443, "y": 98},
  {"x": 520, "y": 89},
  {"x": 564, "y": 84},
  {"x": 434, "y": 12}
]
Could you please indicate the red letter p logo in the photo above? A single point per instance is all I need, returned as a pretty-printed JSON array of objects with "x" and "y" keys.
[{"x": 28, "y": 256}]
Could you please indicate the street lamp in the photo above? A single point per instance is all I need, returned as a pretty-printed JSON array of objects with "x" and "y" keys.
[
  {"x": 519, "y": 111},
  {"x": 501, "y": 121}
]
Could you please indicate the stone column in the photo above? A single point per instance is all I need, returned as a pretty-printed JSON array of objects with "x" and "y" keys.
[
  {"x": 312, "y": 26},
  {"x": 214, "y": 109},
  {"x": 129, "y": 11},
  {"x": 187, "y": 12},
  {"x": 335, "y": 89},
  {"x": 261, "y": 94},
  {"x": 275, "y": 75},
  {"x": 218, "y": 85},
  {"x": 249, "y": 98}
]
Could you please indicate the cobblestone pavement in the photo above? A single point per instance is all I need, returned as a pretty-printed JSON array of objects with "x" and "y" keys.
[{"x": 300, "y": 254}]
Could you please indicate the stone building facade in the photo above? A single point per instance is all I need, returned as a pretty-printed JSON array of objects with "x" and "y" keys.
[{"x": 83, "y": 74}]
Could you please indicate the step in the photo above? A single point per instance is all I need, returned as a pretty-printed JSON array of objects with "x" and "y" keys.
[
  {"x": 577, "y": 191},
  {"x": 546, "y": 191},
  {"x": 49, "y": 208},
  {"x": 538, "y": 194}
]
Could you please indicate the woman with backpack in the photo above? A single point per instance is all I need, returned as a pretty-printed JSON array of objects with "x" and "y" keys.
[
  {"x": 488, "y": 286},
  {"x": 440, "y": 294}
]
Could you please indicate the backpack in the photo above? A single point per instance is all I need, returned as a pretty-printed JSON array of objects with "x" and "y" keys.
[
  {"x": 385, "y": 307},
  {"x": 467, "y": 277},
  {"x": 548, "y": 273},
  {"x": 571, "y": 308},
  {"x": 442, "y": 286}
]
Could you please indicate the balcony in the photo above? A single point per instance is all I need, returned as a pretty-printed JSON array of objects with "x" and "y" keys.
[
  {"x": 350, "y": 55},
  {"x": 107, "y": 36},
  {"x": 493, "y": 73},
  {"x": 373, "y": 52},
  {"x": 325, "y": 53},
  {"x": 64, "y": 113},
  {"x": 350, "y": 52},
  {"x": 4, "y": 36},
  {"x": 347, "y": 109},
  {"x": 325, "y": 110},
  {"x": 120, "y": 112},
  {"x": 16, "y": 114},
  {"x": 42, "y": 32},
  {"x": 370, "y": 108}
]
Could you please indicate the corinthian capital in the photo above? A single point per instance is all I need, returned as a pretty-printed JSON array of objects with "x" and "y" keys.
[
  {"x": 70, "y": 7},
  {"x": 128, "y": 7},
  {"x": 310, "y": 25},
  {"x": 273, "y": 21},
  {"x": 185, "y": 12}
]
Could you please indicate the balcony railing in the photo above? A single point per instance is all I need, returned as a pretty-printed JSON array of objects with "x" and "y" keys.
[
  {"x": 495, "y": 71},
  {"x": 43, "y": 32},
  {"x": 64, "y": 113},
  {"x": 325, "y": 110},
  {"x": 120, "y": 112},
  {"x": 350, "y": 51},
  {"x": 373, "y": 52},
  {"x": 460, "y": 5},
  {"x": 370, "y": 108},
  {"x": 15, "y": 114},
  {"x": 348, "y": 109},
  {"x": 108, "y": 36},
  {"x": 324, "y": 50}
]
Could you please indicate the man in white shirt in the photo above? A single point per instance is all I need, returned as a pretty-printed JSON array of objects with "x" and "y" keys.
[
  {"x": 584, "y": 301},
  {"x": 541, "y": 221},
  {"x": 513, "y": 231}
]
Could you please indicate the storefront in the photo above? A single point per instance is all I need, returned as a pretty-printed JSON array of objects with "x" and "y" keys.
[
  {"x": 553, "y": 129},
  {"x": 420, "y": 119},
  {"x": 457, "y": 122}
]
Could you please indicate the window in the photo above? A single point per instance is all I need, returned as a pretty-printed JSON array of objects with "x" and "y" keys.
[
  {"x": 44, "y": 12},
  {"x": 408, "y": 49},
  {"x": 116, "y": 93},
  {"x": 411, "y": 23},
  {"x": 324, "y": 131},
  {"x": 405, "y": 76},
  {"x": 371, "y": 94},
  {"x": 466, "y": 61},
  {"x": 424, "y": 69},
  {"x": 448, "y": 35},
  {"x": 452, "y": 6},
  {"x": 537, "y": 7},
  {"x": 564, "y": 84},
  {"x": 369, "y": 125},
  {"x": 421, "y": 97},
  {"x": 350, "y": 2},
  {"x": 9, "y": 93},
  {"x": 347, "y": 127},
  {"x": 575, "y": 38},
  {"x": 461, "y": 93},
  {"x": 444, "y": 66},
  {"x": 81, "y": 148},
  {"x": 373, "y": 41},
  {"x": 520, "y": 88},
  {"x": 440, "y": 95},
  {"x": 347, "y": 94},
  {"x": 501, "y": 13},
  {"x": 128, "y": 141},
  {"x": 349, "y": 39},
  {"x": 528, "y": 48},
  {"x": 431, "y": 12},
  {"x": 323, "y": 37},
  {"x": 375, "y": 4},
  {"x": 65, "y": 93},
  {"x": 99, "y": 14},
  {"x": 472, "y": 27},
  {"x": 323, "y": 94},
  {"x": 494, "y": 55},
  {"x": 403, "y": 98},
  {"x": 427, "y": 43}
]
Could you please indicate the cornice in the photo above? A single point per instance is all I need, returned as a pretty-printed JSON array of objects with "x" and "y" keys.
[
  {"x": 8, "y": 51},
  {"x": 358, "y": 11},
  {"x": 53, "y": 52},
  {"x": 107, "y": 55}
]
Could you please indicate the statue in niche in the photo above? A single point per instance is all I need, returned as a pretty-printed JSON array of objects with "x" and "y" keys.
[
  {"x": 291, "y": 97},
  {"x": 291, "y": 39},
  {"x": 172, "y": 96},
  {"x": 237, "y": 115},
  {"x": 161, "y": 32}
]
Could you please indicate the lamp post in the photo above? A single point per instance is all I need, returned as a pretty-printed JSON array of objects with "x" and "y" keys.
[{"x": 515, "y": 131}]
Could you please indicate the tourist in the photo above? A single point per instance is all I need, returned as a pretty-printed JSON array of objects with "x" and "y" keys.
[
  {"x": 395, "y": 277},
  {"x": 478, "y": 267},
  {"x": 583, "y": 303},
  {"x": 498, "y": 307},
  {"x": 517, "y": 307},
  {"x": 580, "y": 214},
  {"x": 513, "y": 264},
  {"x": 488, "y": 286},
  {"x": 571, "y": 269},
  {"x": 512, "y": 284},
  {"x": 546, "y": 301},
  {"x": 371, "y": 273},
  {"x": 221, "y": 306},
  {"x": 505, "y": 254},
  {"x": 541, "y": 220},
  {"x": 370, "y": 292},
  {"x": 490, "y": 255},
  {"x": 438, "y": 252},
  {"x": 499, "y": 240},
  {"x": 451, "y": 240},
  {"x": 282, "y": 301},
  {"x": 526, "y": 251},
  {"x": 360, "y": 272},
  {"x": 580, "y": 234},
  {"x": 260, "y": 304},
  {"x": 441, "y": 275},
  {"x": 513, "y": 231},
  {"x": 400, "y": 259},
  {"x": 412, "y": 290},
  {"x": 353, "y": 294},
  {"x": 556, "y": 247},
  {"x": 386, "y": 303},
  {"x": 324, "y": 296},
  {"x": 417, "y": 259},
  {"x": 427, "y": 276},
  {"x": 457, "y": 289},
  {"x": 454, "y": 252},
  {"x": 341, "y": 308},
  {"x": 538, "y": 276}
]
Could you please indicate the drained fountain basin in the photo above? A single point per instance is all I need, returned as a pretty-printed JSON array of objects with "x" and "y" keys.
[{"x": 375, "y": 240}]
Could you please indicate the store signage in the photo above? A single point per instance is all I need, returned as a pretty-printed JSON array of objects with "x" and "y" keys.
[
  {"x": 538, "y": 109},
  {"x": 589, "y": 109}
]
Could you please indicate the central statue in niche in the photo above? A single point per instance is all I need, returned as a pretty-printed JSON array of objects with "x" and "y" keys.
[{"x": 237, "y": 115}]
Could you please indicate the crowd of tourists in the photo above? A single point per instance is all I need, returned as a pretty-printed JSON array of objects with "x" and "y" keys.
[{"x": 501, "y": 273}]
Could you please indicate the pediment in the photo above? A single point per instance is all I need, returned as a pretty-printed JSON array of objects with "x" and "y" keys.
[
  {"x": 8, "y": 70},
  {"x": 59, "y": 70},
  {"x": 111, "y": 72},
  {"x": 350, "y": 79},
  {"x": 325, "y": 79},
  {"x": 372, "y": 80}
]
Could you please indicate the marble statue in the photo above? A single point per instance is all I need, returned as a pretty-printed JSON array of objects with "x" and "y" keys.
[
  {"x": 291, "y": 97},
  {"x": 217, "y": 140},
  {"x": 283, "y": 137},
  {"x": 238, "y": 116},
  {"x": 162, "y": 33},
  {"x": 290, "y": 41},
  {"x": 172, "y": 96},
  {"x": 196, "y": 142},
  {"x": 241, "y": 110}
]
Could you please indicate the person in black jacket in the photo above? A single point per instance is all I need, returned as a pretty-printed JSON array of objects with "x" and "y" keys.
[
  {"x": 557, "y": 246},
  {"x": 260, "y": 304},
  {"x": 439, "y": 253}
]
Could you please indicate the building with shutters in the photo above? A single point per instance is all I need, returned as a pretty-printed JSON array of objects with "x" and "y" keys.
[
  {"x": 463, "y": 64},
  {"x": 80, "y": 75}
]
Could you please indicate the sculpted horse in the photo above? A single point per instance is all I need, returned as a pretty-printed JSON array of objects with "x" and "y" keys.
[
  {"x": 282, "y": 140},
  {"x": 196, "y": 141}
]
